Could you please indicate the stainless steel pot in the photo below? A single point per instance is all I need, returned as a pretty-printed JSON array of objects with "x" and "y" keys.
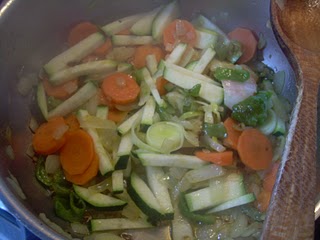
[{"x": 33, "y": 31}]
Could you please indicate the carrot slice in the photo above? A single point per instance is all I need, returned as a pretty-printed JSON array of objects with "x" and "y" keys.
[
  {"x": 263, "y": 200},
  {"x": 72, "y": 122},
  {"x": 77, "y": 153},
  {"x": 80, "y": 32},
  {"x": 62, "y": 91},
  {"x": 160, "y": 83},
  {"x": 104, "y": 100},
  {"x": 219, "y": 158},
  {"x": 50, "y": 136},
  {"x": 89, "y": 174},
  {"x": 103, "y": 49},
  {"x": 179, "y": 31},
  {"x": 270, "y": 178},
  {"x": 255, "y": 149},
  {"x": 232, "y": 133},
  {"x": 116, "y": 115},
  {"x": 120, "y": 88},
  {"x": 248, "y": 42},
  {"x": 139, "y": 57}
]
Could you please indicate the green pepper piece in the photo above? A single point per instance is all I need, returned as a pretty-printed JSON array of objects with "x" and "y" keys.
[
  {"x": 194, "y": 217},
  {"x": 41, "y": 173},
  {"x": 77, "y": 205},
  {"x": 253, "y": 110},
  {"x": 194, "y": 91},
  {"x": 238, "y": 75},
  {"x": 214, "y": 130},
  {"x": 60, "y": 190},
  {"x": 69, "y": 209}
]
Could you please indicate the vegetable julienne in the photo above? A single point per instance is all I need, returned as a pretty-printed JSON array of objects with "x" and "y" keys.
[{"x": 171, "y": 133}]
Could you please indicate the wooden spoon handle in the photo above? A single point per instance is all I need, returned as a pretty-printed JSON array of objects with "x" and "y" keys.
[{"x": 291, "y": 211}]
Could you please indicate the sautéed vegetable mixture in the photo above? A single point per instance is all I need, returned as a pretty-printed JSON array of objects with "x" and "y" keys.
[{"x": 153, "y": 120}]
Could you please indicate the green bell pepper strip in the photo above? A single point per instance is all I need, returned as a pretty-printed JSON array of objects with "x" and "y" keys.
[
  {"x": 238, "y": 75},
  {"x": 214, "y": 130},
  {"x": 70, "y": 209},
  {"x": 41, "y": 174}
]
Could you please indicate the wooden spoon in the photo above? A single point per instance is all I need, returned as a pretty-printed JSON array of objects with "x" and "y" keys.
[{"x": 296, "y": 24}]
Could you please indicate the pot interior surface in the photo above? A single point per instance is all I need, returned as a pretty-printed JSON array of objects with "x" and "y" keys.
[{"x": 34, "y": 31}]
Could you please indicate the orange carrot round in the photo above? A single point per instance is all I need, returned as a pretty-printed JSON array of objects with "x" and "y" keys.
[
  {"x": 80, "y": 32},
  {"x": 116, "y": 115},
  {"x": 233, "y": 134},
  {"x": 248, "y": 42},
  {"x": 120, "y": 88},
  {"x": 255, "y": 149},
  {"x": 77, "y": 153},
  {"x": 72, "y": 122},
  {"x": 139, "y": 57},
  {"x": 160, "y": 84},
  {"x": 89, "y": 174},
  {"x": 219, "y": 158},
  {"x": 179, "y": 31},
  {"x": 50, "y": 136},
  {"x": 62, "y": 91}
]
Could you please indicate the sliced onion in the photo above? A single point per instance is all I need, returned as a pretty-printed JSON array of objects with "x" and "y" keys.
[
  {"x": 79, "y": 228},
  {"x": 101, "y": 186},
  {"x": 52, "y": 164},
  {"x": 33, "y": 124},
  {"x": 136, "y": 140},
  {"x": 26, "y": 83},
  {"x": 192, "y": 138},
  {"x": 13, "y": 182},
  {"x": 60, "y": 131},
  {"x": 92, "y": 105},
  {"x": 54, "y": 226},
  {"x": 235, "y": 92},
  {"x": 213, "y": 144},
  {"x": 97, "y": 123},
  {"x": 9, "y": 152},
  {"x": 165, "y": 136}
]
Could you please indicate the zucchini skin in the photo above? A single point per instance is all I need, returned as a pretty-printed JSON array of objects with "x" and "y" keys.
[
  {"x": 153, "y": 215},
  {"x": 194, "y": 217}
]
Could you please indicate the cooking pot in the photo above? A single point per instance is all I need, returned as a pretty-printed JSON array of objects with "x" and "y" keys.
[{"x": 34, "y": 31}]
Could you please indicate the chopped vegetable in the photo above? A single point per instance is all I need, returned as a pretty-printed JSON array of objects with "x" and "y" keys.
[
  {"x": 214, "y": 130},
  {"x": 248, "y": 43},
  {"x": 77, "y": 153},
  {"x": 62, "y": 91},
  {"x": 70, "y": 209},
  {"x": 179, "y": 31},
  {"x": 219, "y": 158},
  {"x": 152, "y": 120},
  {"x": 120, "y": 88},
  {"x": 238, "y": 75},
  {"x": 87, "y": 175},
  {"x": 139, "y": 58},
  {"x": 232, "y": 137},
  {"x": 80, "y": 32},
  {"x": 49, "y": 137},
  {"x": 117, "y": 116},
  {"x": 255, "y": 149},
  {"x": 252, "y": 111}
]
